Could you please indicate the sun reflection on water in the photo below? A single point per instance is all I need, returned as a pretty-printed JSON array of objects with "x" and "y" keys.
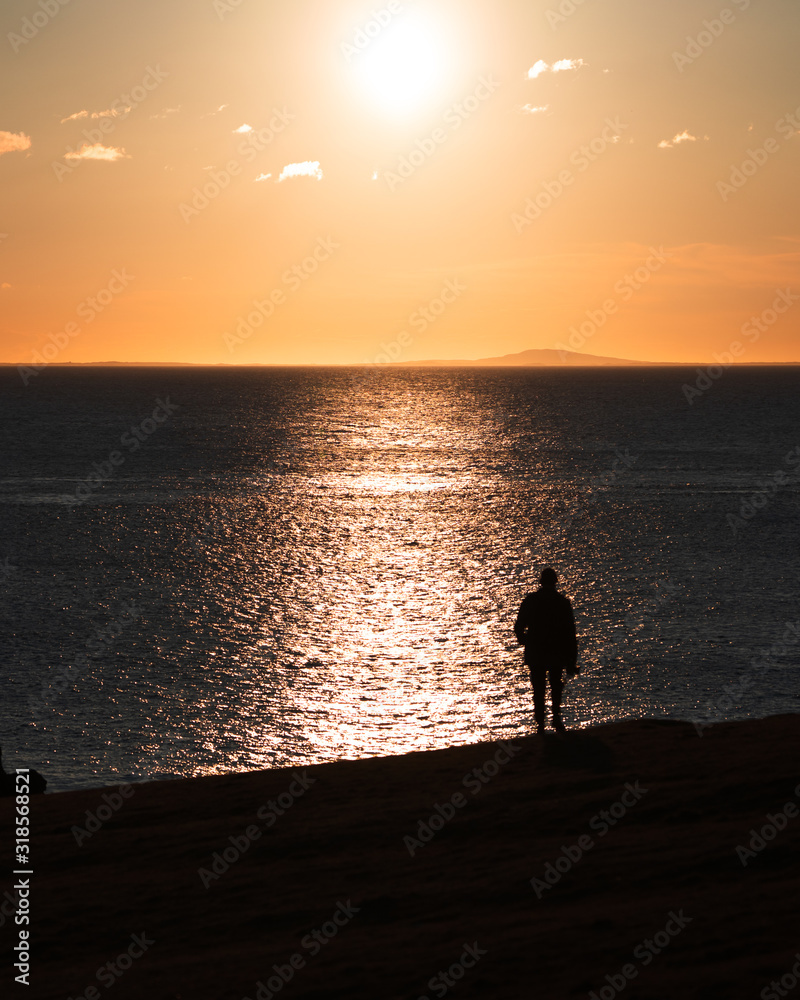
[{"x": 335, "y": 576}]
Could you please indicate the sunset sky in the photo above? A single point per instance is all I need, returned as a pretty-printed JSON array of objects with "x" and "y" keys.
[{"x": 465, "y": 179}]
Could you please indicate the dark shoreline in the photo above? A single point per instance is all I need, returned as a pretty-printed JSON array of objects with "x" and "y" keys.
[{"x": 626, "y": 828}]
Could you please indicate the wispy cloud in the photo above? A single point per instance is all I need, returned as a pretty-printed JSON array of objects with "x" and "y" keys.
[
  {"x": 165, "y": 112},
  {"x": 98, "y": 151},
  {"x": 309, "y": 168},
  {"x": 262, "y": 177},
  {"x": 244, "y": 128},
  {"x": 533, "y": 109},
  {"x": 113, "y": 112},
  {"x": 676, "y": 140},
  {"x": 13, "y": 142},
  {"x": 210, "y": 114},
  {"x": 108, "y": 113},
  {"x": 557, "y": 67},
  {"x": 5, "y": 285}
]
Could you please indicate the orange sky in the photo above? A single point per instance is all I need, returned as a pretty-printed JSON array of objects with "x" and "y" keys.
[{"x": 406, "y": 179}]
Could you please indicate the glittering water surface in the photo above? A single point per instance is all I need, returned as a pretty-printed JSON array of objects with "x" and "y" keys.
[{"x": 286, "y": 566}]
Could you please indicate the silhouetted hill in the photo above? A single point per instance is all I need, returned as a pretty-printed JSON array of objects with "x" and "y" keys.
[{"x": 544, "y": 358}]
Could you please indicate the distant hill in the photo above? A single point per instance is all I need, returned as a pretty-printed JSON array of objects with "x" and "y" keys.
[
  {"x": 542, "y": 358},
  {"x": 535, "y": 358}
]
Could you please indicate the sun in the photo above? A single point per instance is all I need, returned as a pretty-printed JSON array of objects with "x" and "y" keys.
[{"x": 406, "y": 67}]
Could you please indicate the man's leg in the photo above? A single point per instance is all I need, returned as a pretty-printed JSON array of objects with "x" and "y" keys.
[
  {"x": 556, "y": 688},
  {"x": 538, "y": 680}
]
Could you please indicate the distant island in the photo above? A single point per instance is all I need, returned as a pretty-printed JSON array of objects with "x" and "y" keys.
[
  {"x": 536, "y": 358},
  {"x": 548, "y": 358},
  {"x": 572, "y": 359}
]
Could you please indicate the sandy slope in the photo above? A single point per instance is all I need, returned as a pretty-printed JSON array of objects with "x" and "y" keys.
[{"x": 340, "y": 845}]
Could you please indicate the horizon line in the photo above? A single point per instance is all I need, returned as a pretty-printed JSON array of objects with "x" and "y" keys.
[{"x": 477, "y": 363}]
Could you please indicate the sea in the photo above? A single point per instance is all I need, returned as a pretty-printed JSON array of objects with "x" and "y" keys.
[{"x": 211, "y": 570}]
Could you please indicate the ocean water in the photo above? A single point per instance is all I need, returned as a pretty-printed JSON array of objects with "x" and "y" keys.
[{"x": 210, "y": 570}]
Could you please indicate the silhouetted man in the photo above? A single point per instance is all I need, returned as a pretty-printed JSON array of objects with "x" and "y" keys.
[{"x": 545, "y": 625}]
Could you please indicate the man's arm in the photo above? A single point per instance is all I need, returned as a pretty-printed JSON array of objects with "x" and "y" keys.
[{"x": 521, "y": 624}]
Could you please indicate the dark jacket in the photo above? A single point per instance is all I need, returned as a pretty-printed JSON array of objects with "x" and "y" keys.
[{"x": 545, "y": 625}]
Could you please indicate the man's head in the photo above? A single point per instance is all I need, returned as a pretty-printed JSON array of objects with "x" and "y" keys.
[{"x": 548, "y": 578}]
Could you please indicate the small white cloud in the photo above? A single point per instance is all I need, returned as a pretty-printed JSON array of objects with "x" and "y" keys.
[
  {"x": 558, "y": 67},
  {"x": 78, "y": 114},
  {"x": 374, "y": 175},
  {"x": 537, "y": 69},
  {"x": 533, "y": 109},
  {"x": 98, "y": 151},
  {"x": 262, "y": 177},
  {"x": 562, "y": 64},
  {"x": 676, "y": 140},
  {"x": 309, "y": 168},
  {"x": 244, "y": 128},
  {"x": 14, "y": 142}
]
